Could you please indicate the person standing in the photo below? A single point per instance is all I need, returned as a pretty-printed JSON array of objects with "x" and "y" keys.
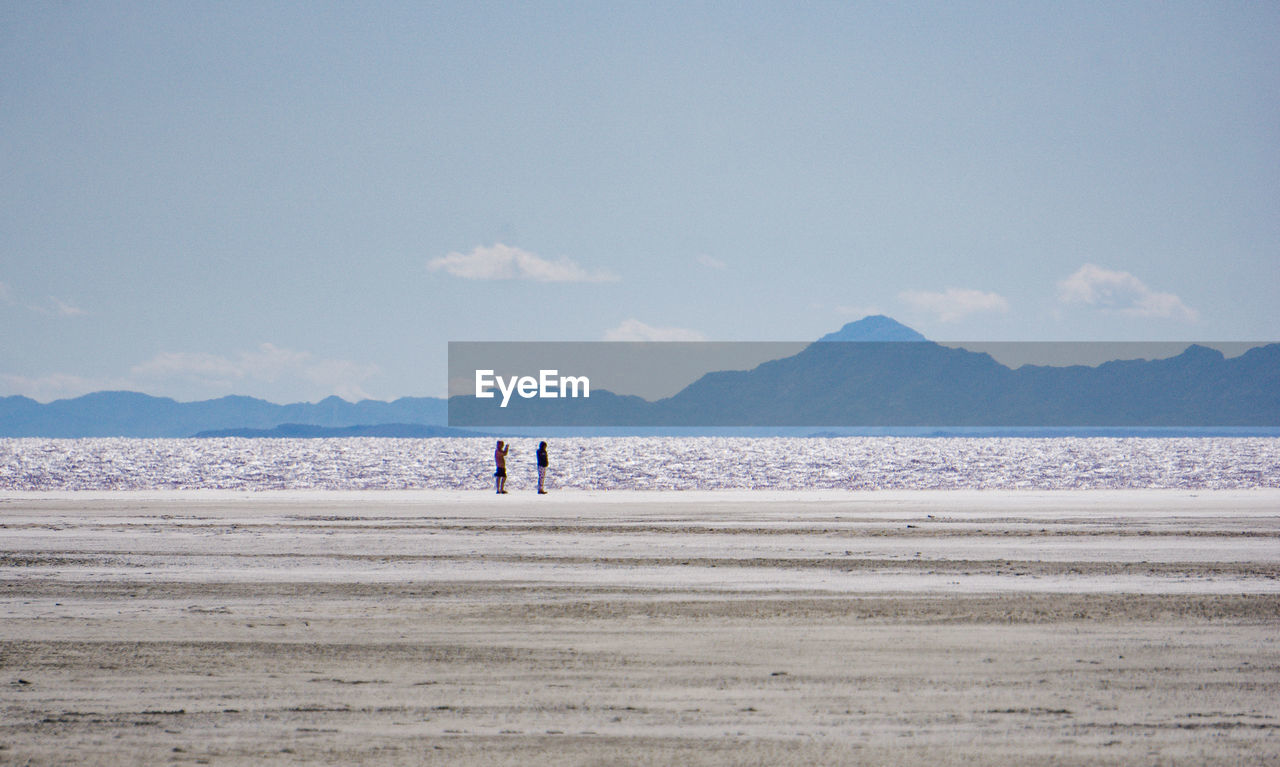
[
  {"x": 542, "y": 467},
  {"x": 500, "y": 475}
]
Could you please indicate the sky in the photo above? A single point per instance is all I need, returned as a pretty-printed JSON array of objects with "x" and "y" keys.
[{"x": 294, "y": 200}]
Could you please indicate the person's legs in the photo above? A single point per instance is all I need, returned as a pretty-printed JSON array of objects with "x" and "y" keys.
[{"x": 542, "y": 475}]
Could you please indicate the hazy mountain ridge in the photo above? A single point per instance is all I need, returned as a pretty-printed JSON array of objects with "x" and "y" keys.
[
  {"x": 871, "y": 380},
  {"x": 875, "y": 328},
  {"x": 131, "y": 414},
  {"x": 926, "y": 384},
  {"x": 307, "y": 431}
]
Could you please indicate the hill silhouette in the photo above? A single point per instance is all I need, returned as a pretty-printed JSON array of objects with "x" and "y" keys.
[
  {"x": 130, "y": 414},
  {"x": 884, "y": 382},
  {"x": 861, "y": 375},
  {"x": 307, "y": 431},
  {"x": 874, "y": 328}
]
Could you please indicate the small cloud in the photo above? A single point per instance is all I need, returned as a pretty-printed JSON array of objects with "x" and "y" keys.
[
  {"x": 52, "y": 306},
  {"x": 192, "y": 367},
  {"x": 65, "y": 309},
  {"x": 954, "y": 304},
  {"x": 869, "y": 310},
  {"x": 711, "y": 261},
  {"x": 342, "y": 377},
  {"x": 268, "y": 364},
  {"x": 635, "y": 330},
  {"x": 1121, "y": 292},
  {"x": 269, "y": 371},
  {"x": 503, "y": 262},
  {"x": 56, "y": 385}
]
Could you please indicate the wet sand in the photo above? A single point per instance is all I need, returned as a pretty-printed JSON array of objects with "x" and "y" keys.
[{"x": 939, "y": 628}]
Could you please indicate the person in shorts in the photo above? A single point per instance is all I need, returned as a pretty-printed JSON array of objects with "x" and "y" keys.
[{"x": 500, "y": 475}]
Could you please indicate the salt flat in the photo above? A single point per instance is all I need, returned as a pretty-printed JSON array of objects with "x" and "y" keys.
[{"x": 723, "y": 627}]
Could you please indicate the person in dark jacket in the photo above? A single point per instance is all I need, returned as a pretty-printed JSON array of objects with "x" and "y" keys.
[{"x": 542, "y": 467}]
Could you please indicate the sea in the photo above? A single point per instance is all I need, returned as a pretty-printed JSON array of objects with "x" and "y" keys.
[{"x": 644, "y": 463}]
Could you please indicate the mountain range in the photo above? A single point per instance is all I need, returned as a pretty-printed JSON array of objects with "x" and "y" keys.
[
  {"x": 878, "y": 373},
  {"x": 874, "y": 372},
  {"x": 130, "y": 414}
]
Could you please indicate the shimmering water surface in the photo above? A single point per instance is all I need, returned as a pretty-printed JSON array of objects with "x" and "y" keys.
[{"x": 637, "y": 463}]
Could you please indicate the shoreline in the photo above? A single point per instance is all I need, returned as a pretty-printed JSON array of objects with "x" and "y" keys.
[{"x": 674, "y": 495}]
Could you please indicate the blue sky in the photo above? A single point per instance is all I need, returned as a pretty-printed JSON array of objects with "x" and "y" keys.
[{"x": 291, "y": 200}]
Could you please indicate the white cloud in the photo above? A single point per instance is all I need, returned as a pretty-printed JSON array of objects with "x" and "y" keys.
[
  {"x": 268, "y": 364},
  {"x": 51, "y": 306},
  {"x": 56, "y": 385},
  {"x": 1121, "y": 292},
  {"x": 503, "y": 262},
  {"x": 203, "y": 367},
  {"x": 343, "y": 377},
  {"x": 848, "y": 310},
  {"x": 269, "y": 371},
  {"x": 63, "y": 308},
  {"x": 954, "y": 304},
  {"x": 635, "y": 330},
  {"x": 711, "y": 261}
]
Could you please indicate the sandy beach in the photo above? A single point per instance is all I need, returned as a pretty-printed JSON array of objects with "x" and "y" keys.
[{"x": 591, "y": 628}]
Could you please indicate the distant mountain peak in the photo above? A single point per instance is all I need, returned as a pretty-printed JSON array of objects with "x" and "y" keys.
[{"x": 874, "y": 328}]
